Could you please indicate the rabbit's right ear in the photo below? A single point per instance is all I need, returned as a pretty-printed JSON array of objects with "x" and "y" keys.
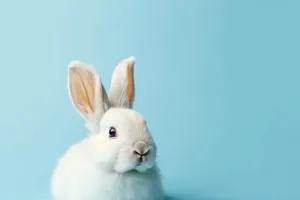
[
  {"x": 87, "y": 92},
  {"x": 122, "y": 89}
]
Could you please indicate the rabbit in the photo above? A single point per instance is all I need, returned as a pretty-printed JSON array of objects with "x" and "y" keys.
[{"x": 117, "y": 160}]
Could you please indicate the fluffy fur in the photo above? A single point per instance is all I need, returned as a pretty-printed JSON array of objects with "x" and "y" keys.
[{"x": 102, "y": 167}]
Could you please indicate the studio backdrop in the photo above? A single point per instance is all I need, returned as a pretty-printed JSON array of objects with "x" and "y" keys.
[{"x": 218, "y": 82}]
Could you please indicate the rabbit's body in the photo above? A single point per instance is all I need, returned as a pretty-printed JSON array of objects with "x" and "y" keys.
[
  {"x": 78, "y": 177},
  {"x": 117, "y": 161}
]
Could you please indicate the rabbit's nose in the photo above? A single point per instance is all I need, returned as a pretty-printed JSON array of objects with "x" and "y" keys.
[{"x": 141, "y": 150}]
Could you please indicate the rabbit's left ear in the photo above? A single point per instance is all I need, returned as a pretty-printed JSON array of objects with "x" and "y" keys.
[
  {"x": 87, "y": 93},
  {"x": 122, "y": 88}
]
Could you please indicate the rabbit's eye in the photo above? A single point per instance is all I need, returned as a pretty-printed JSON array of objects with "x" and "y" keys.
[{"x": 112, "y": 132}]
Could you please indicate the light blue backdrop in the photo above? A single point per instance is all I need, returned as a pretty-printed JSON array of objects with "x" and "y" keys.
[{"x": 217, "y": 80}]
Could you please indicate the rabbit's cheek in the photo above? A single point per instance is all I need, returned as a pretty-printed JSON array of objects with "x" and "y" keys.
[{"x": 124, "y": 161}]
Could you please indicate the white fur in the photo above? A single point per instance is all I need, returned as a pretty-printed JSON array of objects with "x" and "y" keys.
[
  {"x": 105, "y": 168},
  {"x": 117, "y": 95}
]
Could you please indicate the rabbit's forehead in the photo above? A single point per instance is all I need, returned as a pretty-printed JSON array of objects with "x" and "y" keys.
[
  {"x": 124, "y": 113},
  {"x": 126, "y": 119}
]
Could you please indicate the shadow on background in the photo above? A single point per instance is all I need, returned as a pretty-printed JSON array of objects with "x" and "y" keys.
[{"x": 190, "y": 197}]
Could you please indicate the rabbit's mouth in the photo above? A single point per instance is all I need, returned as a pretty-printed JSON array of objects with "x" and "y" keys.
[
  {"x": 135, "y": 158},
  {"x": 141, "y": 169},
  {"x": 133, "y": 166}
]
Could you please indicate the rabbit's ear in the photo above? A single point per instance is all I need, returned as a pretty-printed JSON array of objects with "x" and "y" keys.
[
  {"x": 122, "y": 89},
  {"x": 87, "y": 92}
]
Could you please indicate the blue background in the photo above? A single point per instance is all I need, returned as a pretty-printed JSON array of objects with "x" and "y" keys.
[{"x": 217, "y": 80}]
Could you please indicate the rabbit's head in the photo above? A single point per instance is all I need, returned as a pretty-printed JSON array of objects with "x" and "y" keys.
[{"x": 120, "y": 140}]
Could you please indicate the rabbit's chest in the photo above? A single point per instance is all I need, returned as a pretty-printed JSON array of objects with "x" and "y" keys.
[{"x": 125, "y": 187}]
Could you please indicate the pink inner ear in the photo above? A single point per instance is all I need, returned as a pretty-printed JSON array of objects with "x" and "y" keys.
[
  {"x": 130, "y": 79},
  {"x": 82, "y": 89}
]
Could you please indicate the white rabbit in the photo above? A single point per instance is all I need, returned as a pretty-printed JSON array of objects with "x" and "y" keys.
[{"x": 117, "y": 160}]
